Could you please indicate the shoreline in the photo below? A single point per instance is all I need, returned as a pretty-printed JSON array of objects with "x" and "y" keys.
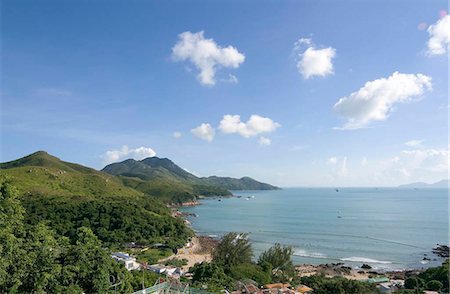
[{"x": 352, "y": 272}]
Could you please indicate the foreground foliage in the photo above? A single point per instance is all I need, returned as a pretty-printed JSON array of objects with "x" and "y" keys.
[
  {"x": 337, "y": 285},
  {"x": 34, "y": 259},
  {"x": 433, "y": 279}
]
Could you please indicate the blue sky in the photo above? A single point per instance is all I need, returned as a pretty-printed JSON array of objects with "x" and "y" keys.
[{"x": 81, "y": 78}]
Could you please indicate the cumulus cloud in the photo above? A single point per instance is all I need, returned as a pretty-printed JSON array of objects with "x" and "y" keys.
[
  {"x": 177, "y": 135},
  {"x": 375, "y": 100},
  {"x": 426, "y": 165},
  {"x": 232, "y": 124},
  {"x": 139, "y": 153},
  {"x": 204, "y": 132},
  {"x": 264, "y": 141},
  {"x": 206, "y": 55},
  {"x": 312, "y": 61},
  {"x": 439, "y": 36},
  {"x": 414, "y": 143}
]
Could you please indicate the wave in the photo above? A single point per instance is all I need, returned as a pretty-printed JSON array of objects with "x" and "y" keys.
[
  {"x": 365, "y": 260},
  {"x": 304, "y": 253}
]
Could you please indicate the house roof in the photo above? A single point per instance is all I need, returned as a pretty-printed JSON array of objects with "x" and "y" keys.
[
  {"x": 277, "y": 285},
  {"x": 304, "y": 289}
]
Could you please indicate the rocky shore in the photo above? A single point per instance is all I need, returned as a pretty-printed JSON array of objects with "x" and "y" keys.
[{"x": 341, "y": 270}]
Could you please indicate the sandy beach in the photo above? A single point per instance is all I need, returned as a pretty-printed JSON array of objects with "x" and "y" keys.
[{"x": 197, "y": 251}]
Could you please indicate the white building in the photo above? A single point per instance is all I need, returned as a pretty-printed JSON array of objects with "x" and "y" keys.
[{"x": 129, "y": 261}]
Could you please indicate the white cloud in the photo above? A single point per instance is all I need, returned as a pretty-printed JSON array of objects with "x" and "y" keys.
[
  {"x": 313, "y": 62},
  {"x": 375, "y": 100},
  {"x": 427, "y": 165},
  {"x": 204, "y": 132},
  {"x": 177, "y": 135},
  {"x": 256, "y": 125},
  {"x": 439, "y": 36},
  {"x": 232, "y": 79},
  {"x": 338, "y": 166},
  {"x": 264, "y": 141},
  {"x": 206, "y": 55},
  {"x": 332, "y": 160},
  {"x": 414, "y": 143},
  {"x": 343, "y": 171},
  {"x": 139, "y": 153}
]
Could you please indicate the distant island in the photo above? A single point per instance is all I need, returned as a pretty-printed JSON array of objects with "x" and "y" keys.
[{"x": 441, "y": 184}]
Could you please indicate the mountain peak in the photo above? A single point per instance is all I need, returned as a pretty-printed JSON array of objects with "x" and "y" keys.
[{"x": 43, "y": 159}]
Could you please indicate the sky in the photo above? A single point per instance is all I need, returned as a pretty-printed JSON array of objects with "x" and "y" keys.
[{"x": 294, "y": 93}]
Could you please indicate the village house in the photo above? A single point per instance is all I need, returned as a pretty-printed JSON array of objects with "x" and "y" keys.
[{"x": 124, "y": 258}]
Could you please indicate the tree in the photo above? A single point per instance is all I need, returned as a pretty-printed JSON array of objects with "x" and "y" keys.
[
  {"x": 412, "y": 283},
  {"x": 210, "y": 275},
  {"x": 434, "y": 285},
  {"x": 43, "y": 268},
  {"x": 337, "y": 285},
  {"x": 251, "y": 271},
  {"x": 87, "y": 264},
  {"x": 232, "y": 250},
  {"x": 280, "y": 258},
  {"x": 12, "y": 269}
]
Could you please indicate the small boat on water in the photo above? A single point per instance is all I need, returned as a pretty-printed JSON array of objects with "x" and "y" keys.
[{"x": 252, "y": 197}]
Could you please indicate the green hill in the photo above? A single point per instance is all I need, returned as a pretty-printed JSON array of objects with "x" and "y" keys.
[
  {"x": 162, "y": 177},
  {"x": 245, "y": 183},
  {"x": 68, "y": 196}
]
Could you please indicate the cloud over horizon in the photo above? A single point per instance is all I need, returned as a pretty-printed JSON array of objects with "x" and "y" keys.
[
  {"x": 206, "y": 55},
  {"x": 376, "y": 99},
  {"x": 311, "y": 61},
  {"x": 125, "y": 152}
]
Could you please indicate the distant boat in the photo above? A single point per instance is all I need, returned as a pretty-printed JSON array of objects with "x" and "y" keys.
[
  {"x": 252, "y": 196},
  {"x": 337, "y": 190},
  {"x": 248, "y": 198}
]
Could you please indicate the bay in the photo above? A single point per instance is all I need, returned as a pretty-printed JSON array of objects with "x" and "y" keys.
[{"x": 388, "y": 228}]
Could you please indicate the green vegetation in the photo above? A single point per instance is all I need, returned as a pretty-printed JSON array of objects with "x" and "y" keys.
[
  {"x": 34, "y": 259},
  {"x": 151, "y": 256},
  {"x": 176, "y": 262},
  {"x": 279, "y": 257},
  {"x": 232, "y": 260},
  {"x": 336, "y": 285},
  {"x": 172, "y": 184},
  {"x": 245, "y": 183},
  {"x": 433, "y": 279},
  {"x": 210, "y": 276},
  {"x": 233, "y": 249},
  {"x": 68, "y": 196}
]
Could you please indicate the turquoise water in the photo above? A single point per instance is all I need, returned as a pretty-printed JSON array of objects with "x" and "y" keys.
[{"x": 388, "y": 228}]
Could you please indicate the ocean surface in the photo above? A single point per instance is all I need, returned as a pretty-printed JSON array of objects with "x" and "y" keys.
[{"x": 388, "y": 228}]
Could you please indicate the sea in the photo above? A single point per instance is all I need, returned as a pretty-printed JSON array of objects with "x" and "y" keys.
[{"x": 387, "y": 228}]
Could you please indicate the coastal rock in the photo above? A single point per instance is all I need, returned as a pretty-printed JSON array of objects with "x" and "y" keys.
[
  {"x": 441, "y": 251},
  {"x": 366, "y": 266}
]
